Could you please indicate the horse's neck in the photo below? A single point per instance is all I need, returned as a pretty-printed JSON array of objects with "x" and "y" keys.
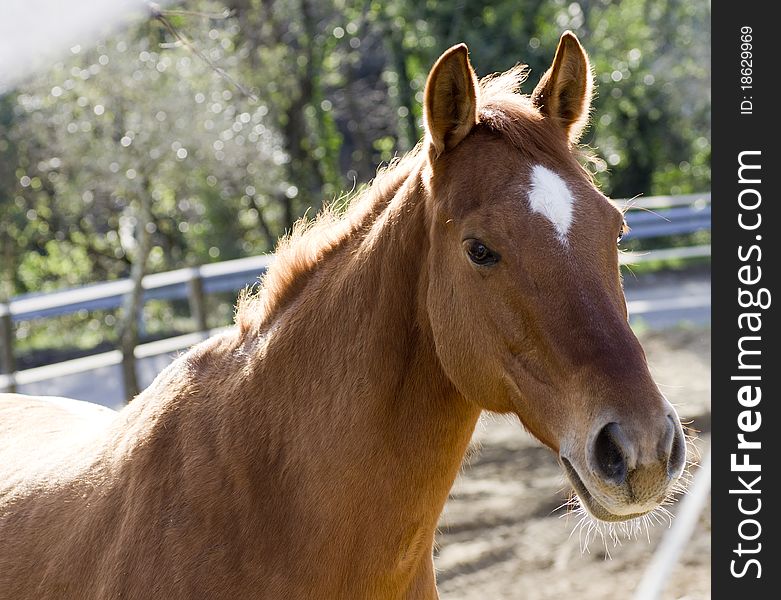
[{"x": 348, "y": 388}]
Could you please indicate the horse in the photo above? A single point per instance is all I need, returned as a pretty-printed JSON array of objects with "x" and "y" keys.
[{"x": 309, "y": 451}]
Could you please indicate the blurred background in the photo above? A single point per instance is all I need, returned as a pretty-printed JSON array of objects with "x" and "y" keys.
[{"x": 151, "y": 156}]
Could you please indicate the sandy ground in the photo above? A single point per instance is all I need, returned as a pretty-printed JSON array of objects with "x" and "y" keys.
[{"x": 501, "y": 539}]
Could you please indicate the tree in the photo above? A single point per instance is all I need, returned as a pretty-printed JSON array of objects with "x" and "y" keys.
[{"x": 135, "y": 158}]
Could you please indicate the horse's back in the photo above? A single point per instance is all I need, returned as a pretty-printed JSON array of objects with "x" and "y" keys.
[{"x": 38, "y": 434}]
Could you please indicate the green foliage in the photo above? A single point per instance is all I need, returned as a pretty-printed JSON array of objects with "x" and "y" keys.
[
  {"x": 127, "y": 120},
  {"x": 58, "y": 263}
]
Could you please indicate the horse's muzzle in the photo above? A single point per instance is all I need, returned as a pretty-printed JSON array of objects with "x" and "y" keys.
[{"x": 628, "y": 473}]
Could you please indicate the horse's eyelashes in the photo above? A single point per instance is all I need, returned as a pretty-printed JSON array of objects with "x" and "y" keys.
[{"x": 622, "y": 232}]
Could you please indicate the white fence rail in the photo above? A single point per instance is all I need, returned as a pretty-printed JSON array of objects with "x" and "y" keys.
[{"x": 657, "y": 216}]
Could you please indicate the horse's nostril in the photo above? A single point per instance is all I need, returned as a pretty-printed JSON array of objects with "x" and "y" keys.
[
  {"x": 609, "y": 453},
  {"x": 676, "y": 457}
]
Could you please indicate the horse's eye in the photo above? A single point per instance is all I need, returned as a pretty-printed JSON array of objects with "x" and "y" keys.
[{"x": 479, "y": 253}]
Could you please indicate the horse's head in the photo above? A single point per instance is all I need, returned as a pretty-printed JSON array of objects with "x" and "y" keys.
[{"x": 524, "y": 294}]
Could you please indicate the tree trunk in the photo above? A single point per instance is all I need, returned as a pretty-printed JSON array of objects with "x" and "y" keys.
[
  {"x": 406, "y": 97},
  {"x": 134, "y": 300},
  {"x": 7, "y": 358}
]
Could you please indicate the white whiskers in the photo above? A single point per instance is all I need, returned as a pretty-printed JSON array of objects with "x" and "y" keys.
[{"x": 612, "y": 535}]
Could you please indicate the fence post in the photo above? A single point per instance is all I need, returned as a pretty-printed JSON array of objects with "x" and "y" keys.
[
  {"x": 195, "y": 297},
  {"x": 7, "y": 358}
]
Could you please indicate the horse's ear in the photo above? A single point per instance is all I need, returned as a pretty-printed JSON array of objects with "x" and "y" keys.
[
  {"x": 450, "y": 108},
  {"x": 564, "y": 92}
]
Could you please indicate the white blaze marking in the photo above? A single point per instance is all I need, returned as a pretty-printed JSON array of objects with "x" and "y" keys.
[{"x": 550, "y": 197}]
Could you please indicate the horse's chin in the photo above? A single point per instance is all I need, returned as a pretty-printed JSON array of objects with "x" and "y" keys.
[{"x": 587, "y": 500}]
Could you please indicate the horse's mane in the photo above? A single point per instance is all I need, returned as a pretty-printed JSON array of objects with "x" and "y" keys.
[
  {"x": 299, "y": 252},
  {"x": 501, "y": 108}
]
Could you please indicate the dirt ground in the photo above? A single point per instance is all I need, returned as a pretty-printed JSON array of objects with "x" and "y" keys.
[{"x": 501, "y": 539}]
